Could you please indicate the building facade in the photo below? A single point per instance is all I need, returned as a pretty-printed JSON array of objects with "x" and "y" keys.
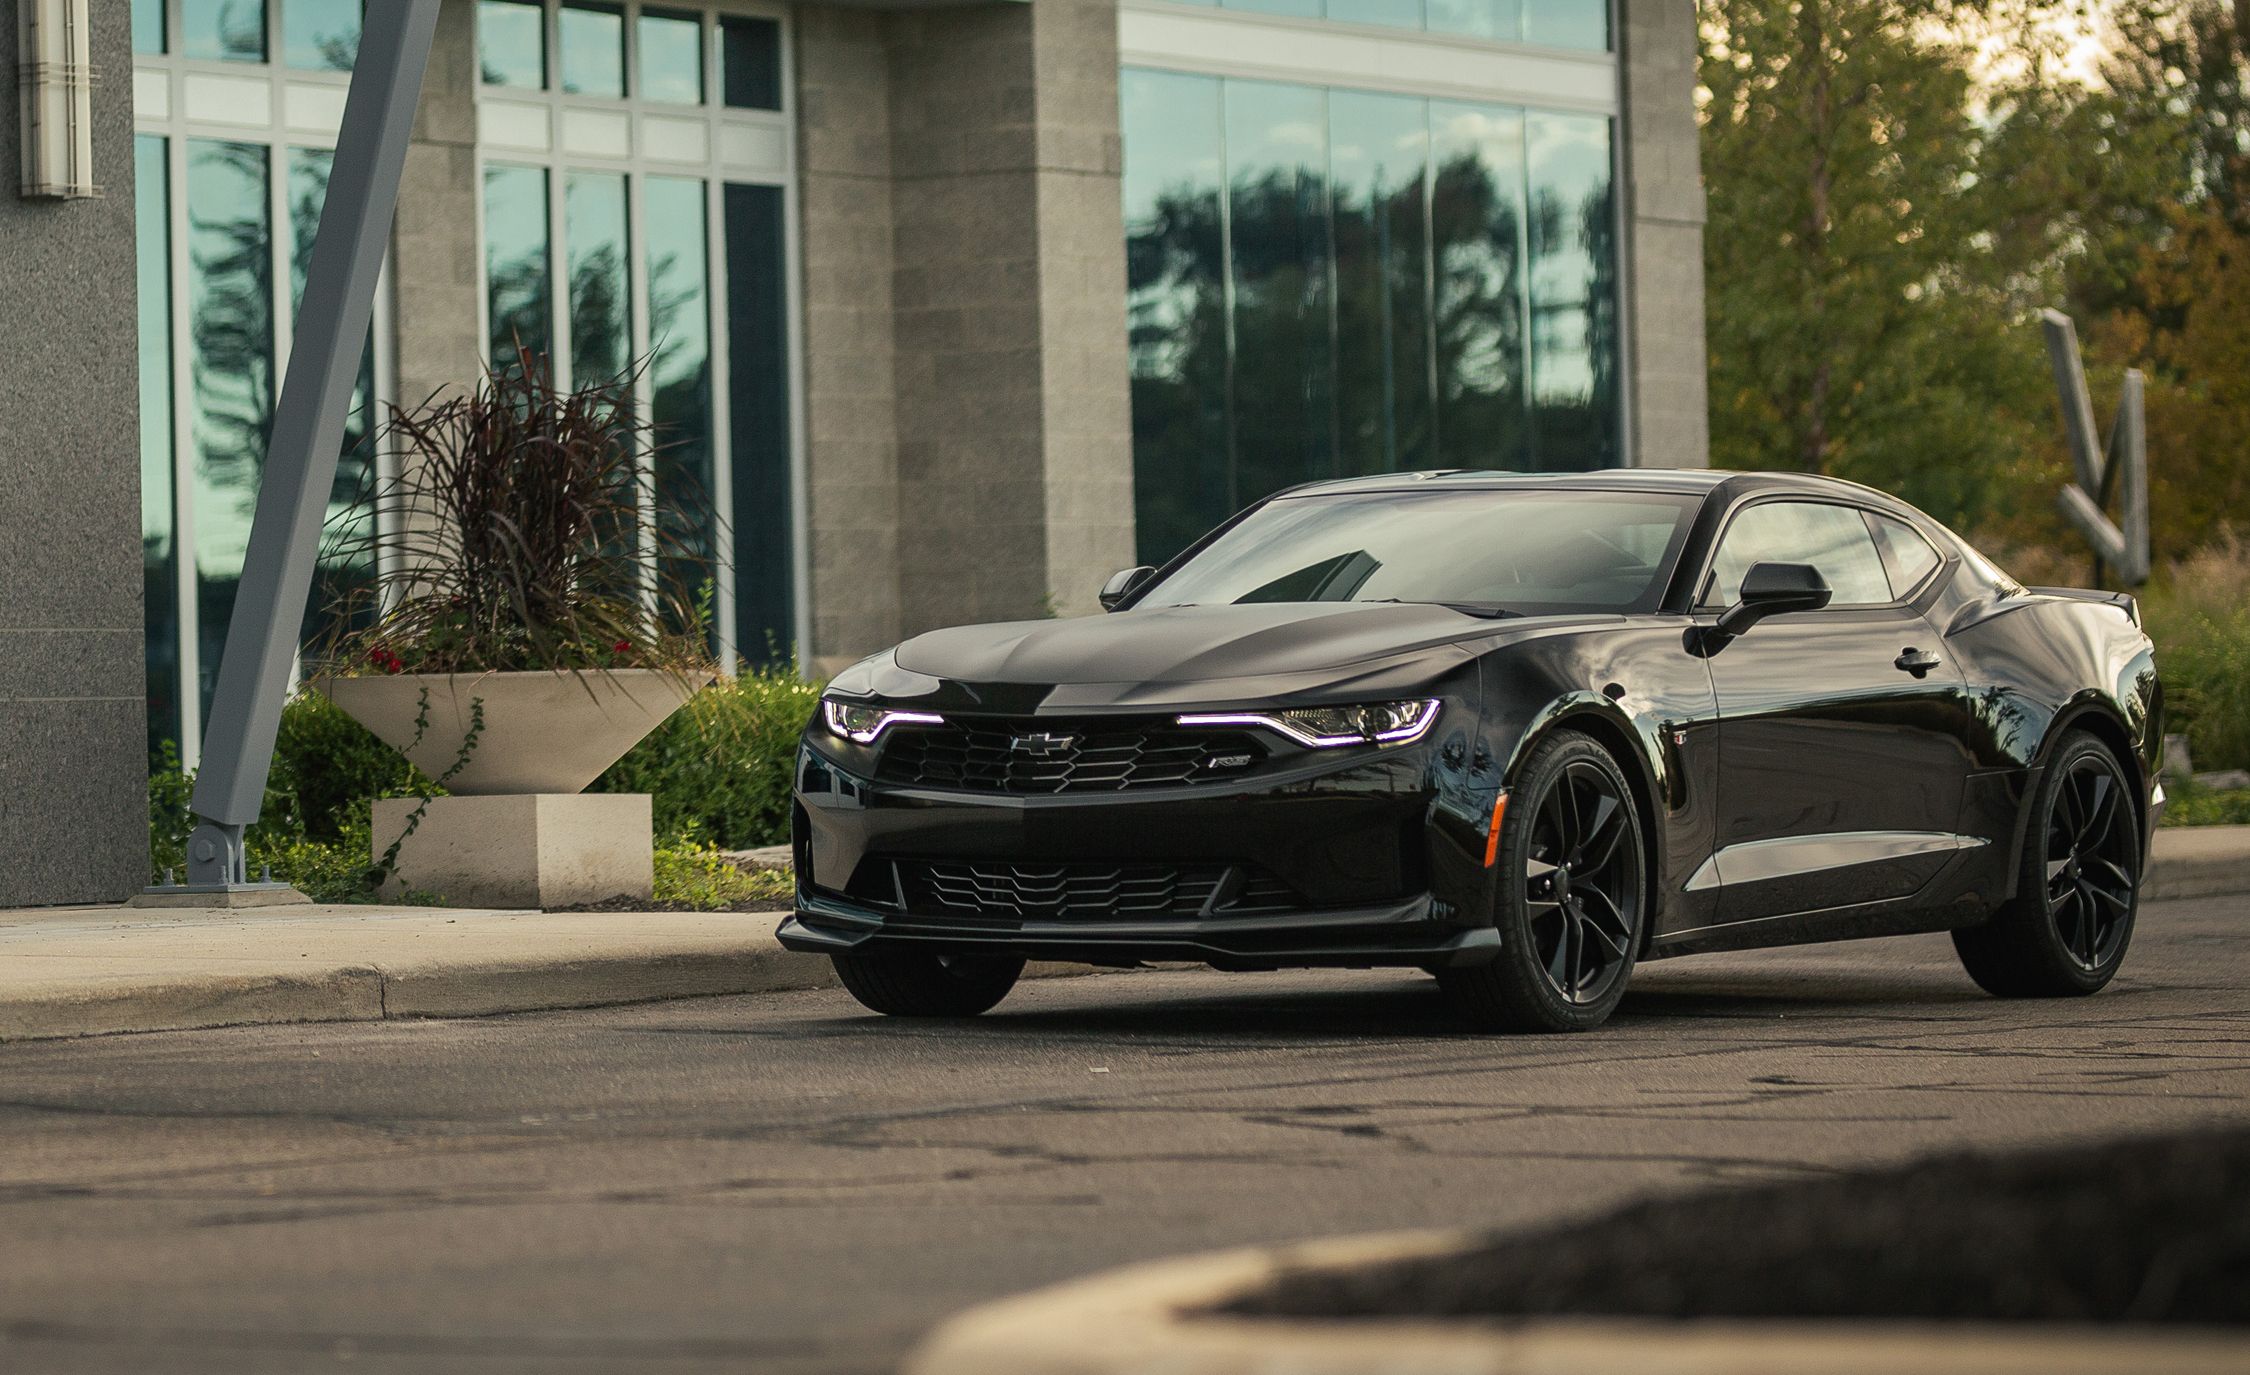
[{"x": 945, "y": 311}]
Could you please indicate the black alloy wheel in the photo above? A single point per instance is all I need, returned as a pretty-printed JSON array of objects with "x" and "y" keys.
[
  {"x": 1581, "y": 882},
  {"x": 2092, "y": 856},
  {"x": 1571, "y": 901},
  {"x": 2077, "y": 894}
]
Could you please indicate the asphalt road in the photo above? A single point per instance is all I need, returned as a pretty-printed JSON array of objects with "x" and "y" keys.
[{"x": 781, "y": 1183}]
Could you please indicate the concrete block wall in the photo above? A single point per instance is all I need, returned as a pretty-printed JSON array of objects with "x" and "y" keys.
[
  {"x": 73, "y": 701},
  {"x": 850, "y": 406},
  {"x": 1663, "y": 172}
]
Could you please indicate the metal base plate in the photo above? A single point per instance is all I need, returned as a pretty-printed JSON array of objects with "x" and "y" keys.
[{"x": 219, "y": 895}]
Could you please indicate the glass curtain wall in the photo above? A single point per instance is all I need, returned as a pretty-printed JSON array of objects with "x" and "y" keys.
[
  {"x": 608, "y": 263},
  {"x": 225, "y": 223},
  {"x": 1325, "y": 283},
  {"x": 1582, "y": 24}
]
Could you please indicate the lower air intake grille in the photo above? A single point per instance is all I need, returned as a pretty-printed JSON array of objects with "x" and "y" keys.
[{"x": 1086, "y": 892}]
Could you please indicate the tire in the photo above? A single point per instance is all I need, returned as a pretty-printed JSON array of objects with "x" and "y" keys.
[
  {"x": 914, "y": 984},
  {"x": 1572, "y": 866},
  {"x": 2065, "y": 931}
]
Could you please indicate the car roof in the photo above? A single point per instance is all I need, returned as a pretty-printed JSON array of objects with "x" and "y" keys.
[{"x": 1687, "y": 481}]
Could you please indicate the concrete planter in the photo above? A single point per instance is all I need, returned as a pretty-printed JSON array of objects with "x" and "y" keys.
[
  {"x": 543, "y": 732},
  {"x": 1154, "y": 1319}
]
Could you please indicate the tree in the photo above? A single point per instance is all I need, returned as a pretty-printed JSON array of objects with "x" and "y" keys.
[{"x": 1865, "y": 280}]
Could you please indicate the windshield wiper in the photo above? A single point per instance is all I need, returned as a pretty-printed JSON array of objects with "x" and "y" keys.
[{"x": 1483, "y": 609}]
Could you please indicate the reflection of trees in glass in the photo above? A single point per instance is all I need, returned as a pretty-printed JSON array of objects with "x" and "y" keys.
[
  {"x": 1574, "y": 329},
  {"x": 512, "y": 44},
  {"x": 516, "y": 276},
  {"x": 1378, "y": 167},
  {"x": 225, "y": 30},
  {"x": 679, "y": 366},
  {"x": 1476, "y": 257},
  {"x": 230, "y": 341},
  {"x": 600, "y": 304},
  {"x": 1176, "y": 329},
  {"x": 1179, "y": 338},
  {"x": 1368, "y": 283},
  {"x": 321, "y": 35}
]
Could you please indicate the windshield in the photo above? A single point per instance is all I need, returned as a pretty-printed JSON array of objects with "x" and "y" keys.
[{"x": 1500, "y": 551}]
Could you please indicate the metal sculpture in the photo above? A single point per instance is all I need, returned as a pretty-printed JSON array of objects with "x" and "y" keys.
[{"x": 2119, "y": 468}]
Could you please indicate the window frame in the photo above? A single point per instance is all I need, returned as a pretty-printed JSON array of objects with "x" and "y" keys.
[
  {"x": 741, "y": 146},
  {"x": 1702, "y": 603},
  {"x": 279, "y": 109},
  {"x": 1913, "y": 592}
]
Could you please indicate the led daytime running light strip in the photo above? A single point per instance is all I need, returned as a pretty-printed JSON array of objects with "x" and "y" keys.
[
  {"x": 1398, "y": 735},
  {"x": 833, "y": 713}
]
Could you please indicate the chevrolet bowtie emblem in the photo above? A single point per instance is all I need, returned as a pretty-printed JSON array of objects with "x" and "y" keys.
[{"x": 1042, "y": 744}]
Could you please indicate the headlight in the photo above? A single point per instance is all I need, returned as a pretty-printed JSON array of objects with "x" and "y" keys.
[
  {"x": 862, "y": 724},
  {"x": 1384, "y": 723}
]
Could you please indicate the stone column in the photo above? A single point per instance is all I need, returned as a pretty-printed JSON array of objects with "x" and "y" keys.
[
  {"x": 1664, "y": 213},
  {"x": 434, "y": 251},
  {"x": 850, "y": 405},
  {"x": 73, "y": 701}
]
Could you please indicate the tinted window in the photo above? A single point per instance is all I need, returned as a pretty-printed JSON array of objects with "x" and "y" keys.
[
  {"x": 1524, "y": 551},
  {"x": 1833, "y": 539},
  {"x": 750, "y": 62},
  {"x": 512, "y": 43},
  {"x": 1909, "y": 556}
]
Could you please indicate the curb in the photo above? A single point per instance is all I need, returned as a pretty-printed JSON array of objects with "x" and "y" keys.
[
  {"x": 188, "y": 999},
  {"x": 2197, "y": 862},
  {"x": 111, "y": 982},
  {"x": 1149, "y": 1320}
]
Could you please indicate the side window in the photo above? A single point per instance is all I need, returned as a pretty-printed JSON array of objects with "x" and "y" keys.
[
  {"x": 1833, "y": 539},
  {"x": 1909, "y": 557}
]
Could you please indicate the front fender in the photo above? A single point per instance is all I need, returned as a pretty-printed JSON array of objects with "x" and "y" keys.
[{"x": 1651, "y": 705}]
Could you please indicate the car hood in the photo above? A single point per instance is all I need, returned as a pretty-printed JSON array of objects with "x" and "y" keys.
[{"x": 1180, "y": 654}]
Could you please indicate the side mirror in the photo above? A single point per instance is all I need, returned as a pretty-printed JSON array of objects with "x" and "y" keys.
[
  {"x": 1771, "y": 589},
  {"x": 1121, "y": 585}
]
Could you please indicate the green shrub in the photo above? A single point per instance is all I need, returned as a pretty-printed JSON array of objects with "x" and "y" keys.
[
  {"x": 326, "y": 767},
  {"x": 719, "y": 774},
  {"x": 2192, "y": 806},
  {"x": 692, "y": 875},
  {"x": 312, "y": 828},
  {"x": 2200, "y": 619},
  {"x": 719, "y": 771}
]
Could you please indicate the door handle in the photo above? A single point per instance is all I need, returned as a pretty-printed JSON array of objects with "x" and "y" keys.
[{"x": 1917, "y": 661}]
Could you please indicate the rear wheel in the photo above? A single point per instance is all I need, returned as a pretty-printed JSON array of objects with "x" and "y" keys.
[
  {"x": 2065, "y": 931},
  {"x": 916, "y": 984},
  {"x": 1572, "y": 872}
]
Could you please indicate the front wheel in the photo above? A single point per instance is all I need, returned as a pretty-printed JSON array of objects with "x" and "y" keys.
[
  {"x": 915, "y": 984},
  {"x": 1571, "y": 882},
  {"x": 2065, "y": 931}
]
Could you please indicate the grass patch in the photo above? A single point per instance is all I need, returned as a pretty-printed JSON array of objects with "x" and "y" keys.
[
  {"x": 690, "y": 874},
  {"x": 2193, "y": 806}
]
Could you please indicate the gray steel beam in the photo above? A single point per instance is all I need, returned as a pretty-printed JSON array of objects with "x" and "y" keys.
[{"x": 307, "y": 435}]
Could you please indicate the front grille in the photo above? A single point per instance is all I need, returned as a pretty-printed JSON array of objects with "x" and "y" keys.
[
  {"x": 1062, "y": 756},
  {"x": 1006, "y": 891}
]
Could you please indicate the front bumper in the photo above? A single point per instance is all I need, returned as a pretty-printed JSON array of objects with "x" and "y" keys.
[
  {"x": 1378, "y": 865},
  {"x": 1401, "y": 934}
]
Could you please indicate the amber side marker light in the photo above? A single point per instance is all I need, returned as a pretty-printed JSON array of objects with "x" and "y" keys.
[{"x": 1492, "y": 837}]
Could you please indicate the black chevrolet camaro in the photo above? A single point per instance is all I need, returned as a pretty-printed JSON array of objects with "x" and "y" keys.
[{"x": 1521, "y": 731}]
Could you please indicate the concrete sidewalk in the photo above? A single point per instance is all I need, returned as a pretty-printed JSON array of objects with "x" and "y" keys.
[
  {"x": 86, "y": 971},
  {"x": 95, "y": 970}
]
